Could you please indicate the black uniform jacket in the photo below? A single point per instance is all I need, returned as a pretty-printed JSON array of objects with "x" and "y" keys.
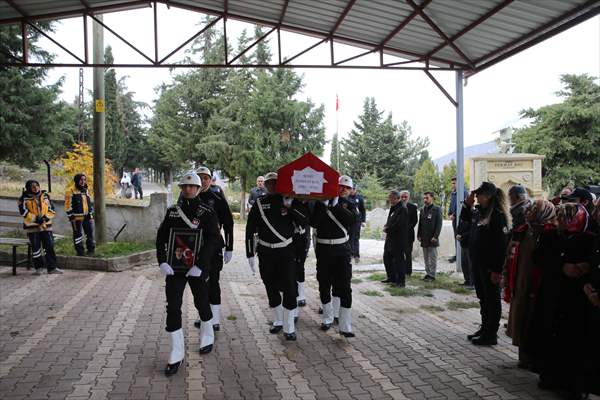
[
  {"x": 346, "y": 213},
  {"x": 281, "y": 218},
  {"x": 396, "y": 228},
  {"x": 487, "y": 242},
  {"x": 215, "y": 199},
  {"x": 413, "y": 220},
  {"x": 207, "y": 220}
]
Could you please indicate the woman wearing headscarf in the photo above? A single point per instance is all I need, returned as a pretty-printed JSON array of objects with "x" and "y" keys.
[
  {"x": 524, "y": 281},
  {"x": 559, "y": 330},
  {"x": 488, "y": 227},
  {"x": 80, "y": 210}
]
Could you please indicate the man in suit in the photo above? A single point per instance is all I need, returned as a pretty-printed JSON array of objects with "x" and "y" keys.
[
  {"x": 430, "y": 226},
  {"x": 413, "y": 218},
  {"x": 396, "y": 230}
]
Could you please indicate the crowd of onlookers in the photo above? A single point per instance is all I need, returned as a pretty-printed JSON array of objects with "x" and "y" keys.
[{"x": 551, "y": 280}]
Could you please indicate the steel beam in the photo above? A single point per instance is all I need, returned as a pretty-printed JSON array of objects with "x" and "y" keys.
[
  {"x": 200, "y": 32},
  {"x": 441, "y": 34},
  {"x": 471, "y": 26},
  {"x": 439, "y": 85},
  {"x": 55, "y": 42},
  {"x": 257, "y": 41},
  {"x": 460, "y": 158}
]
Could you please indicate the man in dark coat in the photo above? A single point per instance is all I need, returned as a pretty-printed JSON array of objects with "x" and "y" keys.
[
  {"x": 396, "y": 229},
  {"x": 430, "y": 226},
  {"x": 359, "y": 202},
  {"x": 413, "y": 219}
]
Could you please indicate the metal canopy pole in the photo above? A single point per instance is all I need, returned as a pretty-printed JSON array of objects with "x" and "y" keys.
[
  {"x": 460, "y": 159},
  {"x": 99, "y": 139}
]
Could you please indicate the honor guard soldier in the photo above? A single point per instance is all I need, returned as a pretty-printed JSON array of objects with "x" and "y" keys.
[
  {"x": 213, "y": 196},
  {"x": 301, "y": 247},
  {"x": 272, "y": 217},
  {"x": 332, "y": 219},
  {"x": 188, "y": 215}
]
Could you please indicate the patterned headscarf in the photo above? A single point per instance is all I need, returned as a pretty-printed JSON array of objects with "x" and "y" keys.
[
  {"x": 572, "y": 217},
  {"x": 542, "y": 212}
]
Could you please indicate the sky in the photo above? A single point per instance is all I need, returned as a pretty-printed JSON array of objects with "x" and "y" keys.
[{"x": 493, "y": 98}]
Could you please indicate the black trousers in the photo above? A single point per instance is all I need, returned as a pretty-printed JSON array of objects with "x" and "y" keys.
[
  {"x": 175, "y": 285},
  {"x": 355, "y": 239},
  {"x": 138, "y": 190},
  {"x": 38, "y": 240},
  {"x": 278, "y": 273},
  {"x": 79, "y": 227},
  {"x": 489, "y": 301},
  {"x": 465, "y": 265},
  {"x": 408, "y": 249},
  {"x": 214, "y": 287},
  {"x": 334, "y": 274},
  {"x": 395, "y": 262},
  {"x": 300, "y": 259}
]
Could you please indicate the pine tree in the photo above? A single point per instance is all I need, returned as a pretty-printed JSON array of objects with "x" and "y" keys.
[{"x": 335, "y": 153}]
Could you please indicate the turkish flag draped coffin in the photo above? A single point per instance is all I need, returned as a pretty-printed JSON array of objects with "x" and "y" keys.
[{"x": 308, "y": 178}]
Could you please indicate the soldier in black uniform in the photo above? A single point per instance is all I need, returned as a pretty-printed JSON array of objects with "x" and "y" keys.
[
  {"x": 213, "y": 196},
  {"x": 332, "y": 219},
  {"x": 190, "y": 214},
  {"x": 486, "y": 226},
  {"x": 273, "y": 218},
  {"x": 301, "y": 247}
]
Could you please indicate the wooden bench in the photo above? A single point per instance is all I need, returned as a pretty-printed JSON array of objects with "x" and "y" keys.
[{"x": 17, "y": 224}]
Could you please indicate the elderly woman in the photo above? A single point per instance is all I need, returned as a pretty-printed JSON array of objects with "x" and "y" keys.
[
  {"x": 524, "y": 281},
  {"x": 562, "y": 353}
]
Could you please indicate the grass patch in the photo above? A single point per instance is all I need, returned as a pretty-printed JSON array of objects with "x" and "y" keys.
[
  {"x": 442, "y": 281},
  {"x": 231, "y": 317},
  {"x": 409, "y": 310},
  {"x": 432, "y": 308},
  {"x": 356, "y": 280},
  {"x": 372, "y": 293},
  {"x": 107, "y": 250},
  {"x": 461, "y": 305},
  {"x": 376, "y": 277},
  {"x": 369, "y": 233},
  {"x": 408, "y": 291}
]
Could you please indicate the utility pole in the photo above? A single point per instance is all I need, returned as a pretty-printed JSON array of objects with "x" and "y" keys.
[{"x": 99, "y": 120}]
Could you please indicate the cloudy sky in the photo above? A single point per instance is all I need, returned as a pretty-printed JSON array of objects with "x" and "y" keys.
[{"x": 493, "y": 98}]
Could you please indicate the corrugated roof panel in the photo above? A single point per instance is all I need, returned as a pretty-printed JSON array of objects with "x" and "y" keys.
[
  {"x": 266, "y": 9},
  {"x": 370, "y": 21}
]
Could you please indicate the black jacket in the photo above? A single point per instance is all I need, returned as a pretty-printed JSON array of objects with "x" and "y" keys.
[
  {"x": 359, "y": 202},
  {"x": 215, "y": 199},
  {"x": 282, "y": 219},
  {"x": 487, "y": 242},
  {"x": 430, "y": 225},
  {"x": 413, "y": 220},
  {"x": 396, "y": 228},
  {"x": 207, "y": 220},
  {"x": 255, "y": 193},
  {"x": 325, "y": 228}
]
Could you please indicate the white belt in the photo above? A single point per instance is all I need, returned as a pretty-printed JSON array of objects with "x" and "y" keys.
[
  {"x": 275, "y": 245},
  {"x": 332, "y": 241}
]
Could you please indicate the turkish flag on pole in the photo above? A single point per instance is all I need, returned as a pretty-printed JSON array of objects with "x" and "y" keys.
[{"x": 337, "y": 103}]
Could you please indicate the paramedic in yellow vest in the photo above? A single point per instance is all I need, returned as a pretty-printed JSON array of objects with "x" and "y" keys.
[
  {"x": 37, "y": 211},
  {"x": 80, "y": 210}
]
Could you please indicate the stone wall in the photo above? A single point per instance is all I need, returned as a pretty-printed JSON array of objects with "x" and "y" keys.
[
  {"x": 142, "y": 221},
  {"x": 377, "y": 217}
]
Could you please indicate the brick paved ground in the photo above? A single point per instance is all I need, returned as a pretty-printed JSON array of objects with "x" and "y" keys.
[{"x": 101, "y": 335}]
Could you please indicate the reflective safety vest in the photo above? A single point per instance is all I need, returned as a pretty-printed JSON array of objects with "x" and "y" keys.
[{"x": 37, "y": 212}]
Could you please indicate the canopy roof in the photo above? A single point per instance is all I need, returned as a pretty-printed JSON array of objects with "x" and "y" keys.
[{"x": 470, "y": 35}]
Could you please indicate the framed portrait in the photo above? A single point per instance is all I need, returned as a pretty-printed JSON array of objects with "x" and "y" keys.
[{"x": 183, "y": 247}]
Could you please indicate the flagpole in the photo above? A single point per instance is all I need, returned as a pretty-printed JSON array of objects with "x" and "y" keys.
[{"x": 337, "y": 123}]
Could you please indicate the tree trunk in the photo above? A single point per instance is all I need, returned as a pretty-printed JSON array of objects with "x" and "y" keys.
[{"x": 243, "y": 198}]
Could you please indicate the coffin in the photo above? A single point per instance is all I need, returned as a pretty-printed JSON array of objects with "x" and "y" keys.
[{"x": 308, "y": 178}]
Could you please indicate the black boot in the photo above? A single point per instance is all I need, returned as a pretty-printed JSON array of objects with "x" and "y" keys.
[
  {"x": 172, "y": 369},
  {"x": 275, "y": 329},
  {"x": 485, "y": 340},
  {"x": 206, "y": 349},
  {"x": 474, "y": 335},
  {"x": 325, "y": 327},
  {"x": 290, "y": 336}
]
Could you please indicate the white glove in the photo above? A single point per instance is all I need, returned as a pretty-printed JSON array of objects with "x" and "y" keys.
[
  {"x": 227, "y": 256},
  {"x": 194, "y": 271},
  {"x": 251, "y": 264},
  {"x": 287, "y": 201},
  {"x": 166, "y": 269},
  {"x": 334, "y": 201},
  {"x": 363, "y": 225}
]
